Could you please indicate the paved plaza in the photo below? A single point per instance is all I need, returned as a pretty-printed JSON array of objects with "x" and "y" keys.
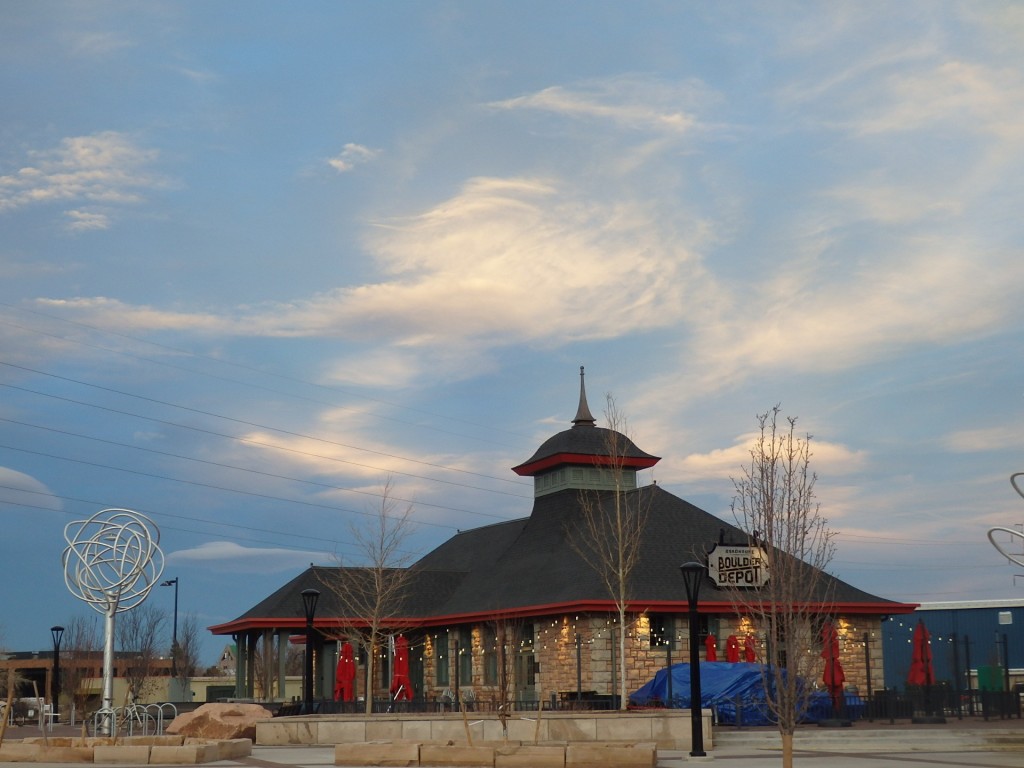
[{"x": 956, "y": 744}]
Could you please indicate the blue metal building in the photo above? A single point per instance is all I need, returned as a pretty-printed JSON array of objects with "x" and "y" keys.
[{"x": 984, "y": 636}]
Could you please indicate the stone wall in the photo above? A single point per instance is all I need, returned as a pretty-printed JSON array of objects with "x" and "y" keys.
[
  {"x": 852, "y": 631},
  {"x": 554, "y": 653}
]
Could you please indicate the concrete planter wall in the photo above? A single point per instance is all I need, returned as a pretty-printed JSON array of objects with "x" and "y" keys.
[
  {"x": 668, "y": 729},
  {"x": 137, "y": 750}
]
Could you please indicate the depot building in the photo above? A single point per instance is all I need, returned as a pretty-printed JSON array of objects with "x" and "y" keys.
[{"x": 513, "y": 610}]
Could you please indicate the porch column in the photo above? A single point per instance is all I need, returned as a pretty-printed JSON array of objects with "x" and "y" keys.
[
  {"x": 250, "y": 666},
  {"x": 282, "y": 657},
  {"x": 239, "y": 665}
]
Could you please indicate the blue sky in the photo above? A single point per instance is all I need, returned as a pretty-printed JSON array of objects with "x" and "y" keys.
[{"x": 256, "y": 257}]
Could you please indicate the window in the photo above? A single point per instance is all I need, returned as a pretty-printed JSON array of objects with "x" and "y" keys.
[
  {"x": 442, "y": 658},
  {"x": 662, "y": 629},
  {"x": 526, "y": 639},
  {"x": 465, "y": 656},
  {"x": 490, "y": 642},
  {"x": 675, "y": 627},
  {"x": 710, "y": 625}
]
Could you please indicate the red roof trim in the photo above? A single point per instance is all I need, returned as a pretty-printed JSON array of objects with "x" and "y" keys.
[
  {"x": 557, "y": 459},
  {"x": 582, "y": 606}
]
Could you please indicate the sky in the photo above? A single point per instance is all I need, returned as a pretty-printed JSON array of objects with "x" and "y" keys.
[{"x": 257, "y": 259}]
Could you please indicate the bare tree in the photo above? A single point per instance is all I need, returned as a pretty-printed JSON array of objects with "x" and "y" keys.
[
  {"x": 776, "y": 506},
  {"x": 186, "y": 660},
  {"x": 293, "y": 660},
  {"x": 505, "y": 633},
  {"x": 81, "y": 658},
  {"x": 372, "y": 593},
  {"x": 9, "y": 685},
  {"x": 265, "y": 653},
  {"x": 609, "y": 532},
  {"x": 139, "y": 636}
]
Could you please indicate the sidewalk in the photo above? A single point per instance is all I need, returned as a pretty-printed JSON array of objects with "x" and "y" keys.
[{"x": 954, "y": 744}]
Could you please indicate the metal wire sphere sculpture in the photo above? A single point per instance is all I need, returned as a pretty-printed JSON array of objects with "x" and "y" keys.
[
  {"x": 113, "y": 559},
  {"x": 1016, "y": 559}
]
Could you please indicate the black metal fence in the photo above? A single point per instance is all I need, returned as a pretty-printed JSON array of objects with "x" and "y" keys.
[
  {"x": 889, "y": 704},
  {"x": 442, "y": 705},
  {"x": 892, "y": 705},
  {"x": 942, "y": 701}
]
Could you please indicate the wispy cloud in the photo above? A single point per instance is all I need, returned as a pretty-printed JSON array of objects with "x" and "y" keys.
[
  {"x": 227, "y": 556},
  {"x": 823, "y": 314},
  {"x": 380, "y": 369},
  {"x": 631, "y": 102},
  {"x": 351, "y": 156},
  {"x": 107, "y": 168},
  {"x": 106, "y": 311},
  {"x": 86, "y": 220},
  {"x": 509, "y": 260},
  {"x": 999, "y": 438},
  {"x": 92, "y": 43},
  {"x": 829, "y": 458},
  {"x": 968, "y": 94},
  {"x": 18, "y": 488}
]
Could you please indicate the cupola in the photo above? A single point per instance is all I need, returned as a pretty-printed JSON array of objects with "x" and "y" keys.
[{"x": 585, "y": 456}]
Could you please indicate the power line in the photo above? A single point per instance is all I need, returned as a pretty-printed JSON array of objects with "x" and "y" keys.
[
  {"x": 918, "y": 567},
  {"x": 229, "y": 466},
  {"x": 241, "y": 366},
  {"x": 245, "y": 469},
  {"x": 212, "y": 486},
  {"x": 892, "y": 539},
  {"x": 201, "y": 412},
  {"x": 158, "y": 515}
]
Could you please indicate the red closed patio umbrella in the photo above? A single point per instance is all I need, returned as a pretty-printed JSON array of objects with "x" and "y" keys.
[
  {"x": 732, "y": 649},
  {"x": 345, "y": 674},
  {"x": 749, "y": 651},
  {"x": 710, "y": 648},
  {"x": 922, "y": 673},
  {"x": 921, "y": 670},
  {"x": 401, "y": 686},
  {"x": 833, "y": 677}
]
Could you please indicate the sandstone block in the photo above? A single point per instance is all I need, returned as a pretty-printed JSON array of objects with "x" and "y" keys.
[
  {"x": 133, "y": 755},
  {"x": 220, "y": 721},
  {"x": 456, "y": 755},
  {"x": 281, "y": 732},
  {"x": 38, "y": 753},
  {"x": 12, "y": 752},
  {"x": 608, "y": 756},
  {"x": 187, "y": 754},
  {"x": 378, "y": 753},
  {"x": 234, "y": 749},
  {"x": 529, "y": 756}
]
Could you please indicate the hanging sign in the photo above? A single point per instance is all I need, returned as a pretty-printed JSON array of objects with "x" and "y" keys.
[{"x": 737, "y": 566}]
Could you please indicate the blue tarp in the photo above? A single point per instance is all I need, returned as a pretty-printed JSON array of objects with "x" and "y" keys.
[{"x": 723, "y": 685}]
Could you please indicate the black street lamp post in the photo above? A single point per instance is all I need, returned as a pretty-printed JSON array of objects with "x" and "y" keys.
[
  {"x": 693, "y": 574},
  {"x": 174, "y": 629},
  {"x": 309, "y": 598},
  {"x": 56, "y": 633}
]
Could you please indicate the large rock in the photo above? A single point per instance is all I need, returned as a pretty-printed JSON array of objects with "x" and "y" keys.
[{"x": 220, "y": 721}]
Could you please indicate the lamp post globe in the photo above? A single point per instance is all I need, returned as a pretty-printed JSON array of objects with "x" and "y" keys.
[{"x": 693, "y": 575}]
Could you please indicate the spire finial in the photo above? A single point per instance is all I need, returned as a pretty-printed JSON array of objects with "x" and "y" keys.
[{"x": 583, "y": 415}]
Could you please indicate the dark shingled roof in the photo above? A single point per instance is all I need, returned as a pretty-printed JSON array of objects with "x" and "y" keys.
[
  {"x": 537, "y": 565},
  {"x": 528, "y": 566}
]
